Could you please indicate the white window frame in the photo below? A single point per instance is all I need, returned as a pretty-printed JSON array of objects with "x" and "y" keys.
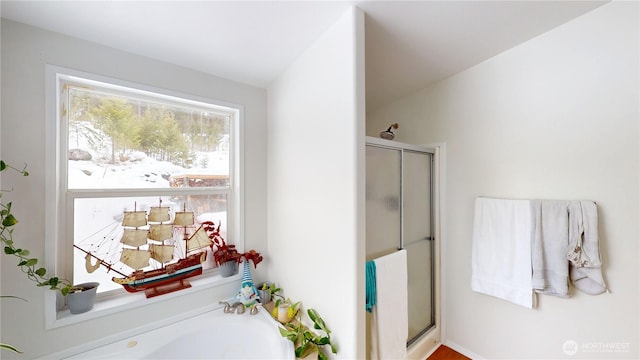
[{"x": 59, "y": 205}]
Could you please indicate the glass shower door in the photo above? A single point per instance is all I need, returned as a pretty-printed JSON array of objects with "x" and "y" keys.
[
  {"x": 383, "y": 205},
  {"x": 399, "y": 215},
  {"x": 417, "y": 240},
  {"x": 383, "y": 199}
]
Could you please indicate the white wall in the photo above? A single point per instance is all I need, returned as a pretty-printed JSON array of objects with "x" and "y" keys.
[
  {"x": 25, "y": 52},
  {"x": 315, "y": 147},
  {"x": 554, "y": 118}
]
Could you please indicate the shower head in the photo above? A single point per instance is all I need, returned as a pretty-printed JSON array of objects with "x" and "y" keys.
[{"x": 388, "y": 134}]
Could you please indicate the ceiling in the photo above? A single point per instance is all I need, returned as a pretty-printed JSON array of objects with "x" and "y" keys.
[{"x": 409, "y": 44}]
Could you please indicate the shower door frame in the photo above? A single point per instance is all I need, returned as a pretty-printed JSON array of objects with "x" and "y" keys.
[{"x": 426, "y": 340}]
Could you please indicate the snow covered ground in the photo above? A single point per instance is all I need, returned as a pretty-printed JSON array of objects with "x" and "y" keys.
[
  {"x": 137, "y": 170},
  {"x": 140, "y": 171}
]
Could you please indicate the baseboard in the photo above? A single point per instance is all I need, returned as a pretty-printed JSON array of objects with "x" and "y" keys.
[{"x": 462, "y": 350}]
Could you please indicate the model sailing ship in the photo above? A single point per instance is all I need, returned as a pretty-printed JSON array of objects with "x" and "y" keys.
[{"x": 149, "y": 238}]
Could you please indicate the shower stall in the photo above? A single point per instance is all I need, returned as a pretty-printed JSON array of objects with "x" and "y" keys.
[{"x": 400, "y": 215}]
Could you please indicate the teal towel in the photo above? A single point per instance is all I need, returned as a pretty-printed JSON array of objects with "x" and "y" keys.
[{"x": 371, "y": 285}]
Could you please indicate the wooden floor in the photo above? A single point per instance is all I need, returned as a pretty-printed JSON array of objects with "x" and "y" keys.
[{"x": 446, "y": 353}]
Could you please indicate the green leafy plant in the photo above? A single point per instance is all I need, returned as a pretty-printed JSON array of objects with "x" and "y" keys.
[
  {"x": 27, "y": 264},
  {"x": 305, "y": 340},
  {"x": 274, "y": 291}
]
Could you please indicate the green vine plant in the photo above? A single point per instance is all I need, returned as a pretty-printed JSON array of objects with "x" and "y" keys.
[
  {"x": 27, "y": 264},
  {"x": 274, "y": 292},
  {"x": 305, "y": 340}
]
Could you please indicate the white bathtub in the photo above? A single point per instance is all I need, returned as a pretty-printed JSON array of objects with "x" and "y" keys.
[{"x": 212, "y": 335}]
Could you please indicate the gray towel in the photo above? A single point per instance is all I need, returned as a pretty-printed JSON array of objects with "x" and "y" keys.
[
  {"x": 583, "y": 252},
  {"x": 549, "y": 243}
]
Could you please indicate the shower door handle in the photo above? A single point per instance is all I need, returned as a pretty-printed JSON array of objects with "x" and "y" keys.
[{"x": 426, "y": 238}]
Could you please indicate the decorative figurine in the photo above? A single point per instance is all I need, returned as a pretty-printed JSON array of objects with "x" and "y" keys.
[{"x": 248, "y": 294}]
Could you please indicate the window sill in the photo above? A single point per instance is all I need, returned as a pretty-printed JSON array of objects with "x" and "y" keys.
[{"x": 121, "y": 300}]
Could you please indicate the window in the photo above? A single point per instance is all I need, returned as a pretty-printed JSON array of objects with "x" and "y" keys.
[{"x": 126, "y": 150}]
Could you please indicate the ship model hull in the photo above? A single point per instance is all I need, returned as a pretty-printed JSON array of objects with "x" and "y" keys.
[{"x": 161, "y": 281}]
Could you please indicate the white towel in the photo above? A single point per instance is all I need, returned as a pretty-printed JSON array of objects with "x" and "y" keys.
[
  {"x": 501, "y": 250},
  {"x": 549, "y": 242},
  {"x": 390, "y": 319}
]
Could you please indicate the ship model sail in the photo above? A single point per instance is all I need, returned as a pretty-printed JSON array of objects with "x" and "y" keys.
[{"x": 149, "y": 238}]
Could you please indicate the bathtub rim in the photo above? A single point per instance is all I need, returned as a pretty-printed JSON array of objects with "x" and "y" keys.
[{"x": 106, "y": 341}]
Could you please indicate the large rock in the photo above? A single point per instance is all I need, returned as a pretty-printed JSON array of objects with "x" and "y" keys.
[{"x": 78, "y": 154}]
